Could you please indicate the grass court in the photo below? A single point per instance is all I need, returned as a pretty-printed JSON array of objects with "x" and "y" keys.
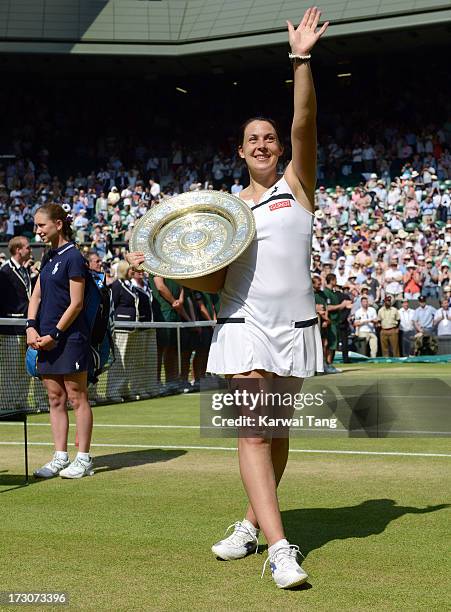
[{"x": 370, "y": 515}]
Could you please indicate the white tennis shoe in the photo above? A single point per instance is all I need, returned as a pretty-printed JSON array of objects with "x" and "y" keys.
[
  {"x": 285, "y": 569},
  {"x": 242, "y": 542},
  {"x": 52, "y": 468},
  {"x": 78, "y": 468}
]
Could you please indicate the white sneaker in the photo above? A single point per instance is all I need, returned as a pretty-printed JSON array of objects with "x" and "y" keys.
[
  {"x": 52, "y": 468},
  {"x": 242, "y": 542},
  {"x": 286, "y": 571},
  {"x": 78, "y": 468}
]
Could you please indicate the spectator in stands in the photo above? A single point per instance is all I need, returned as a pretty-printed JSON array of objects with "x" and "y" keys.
[
  {"x": 365, "y": 319},
  {"x": 393, "y": 279},
  {"x": 236, "y": 187},
  {"x": 412, "y": 282},
  {"x": 444, "y": 278},
  {"x": 442, "y": 318},
  {"x": 389, "y": 317},
  {"x": 113, "y": 197},
  {"x": 341, "y": 272},
  {"x": 447, "y": 293},
  {"x": 406, "y": 327},
  {"x": 430, "y": 278},
  {"x": 80, "y": 225},
  {"x": 15, "y": 223},
  {"x": 155, "y": 189}
]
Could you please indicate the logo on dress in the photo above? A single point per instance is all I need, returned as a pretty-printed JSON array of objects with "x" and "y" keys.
[
  {"x": 274, "y": 190},
  {"x": 77, "y": 365},
  {"x": 55, "y": 269},
  {"x": 281, "y": 204}
]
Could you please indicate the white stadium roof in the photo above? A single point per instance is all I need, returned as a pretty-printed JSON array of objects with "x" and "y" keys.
[{"x": 179, "y": 28}]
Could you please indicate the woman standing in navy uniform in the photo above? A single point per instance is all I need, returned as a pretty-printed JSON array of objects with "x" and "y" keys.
[{"x": 57, "y": 328}]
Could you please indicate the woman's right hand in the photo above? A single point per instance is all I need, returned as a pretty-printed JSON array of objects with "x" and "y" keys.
[
  {"x": 32, "y": 337},
  {"x": 135, "y": 259}
]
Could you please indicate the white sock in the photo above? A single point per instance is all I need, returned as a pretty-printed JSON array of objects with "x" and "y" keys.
[
  {"x": 252, "y": 528},
  {"x": 84, "y": 456},
  {"x": 62, "y": 455},
  {"x": 280, "y": 544}
]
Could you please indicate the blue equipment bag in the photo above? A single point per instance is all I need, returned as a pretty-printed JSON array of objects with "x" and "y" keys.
[
  {"x": 99, "y": 313},
  {"x": 31, "y": 362}
]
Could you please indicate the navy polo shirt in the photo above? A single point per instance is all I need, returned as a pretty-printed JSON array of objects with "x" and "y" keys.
[{"x": 58, "y": 267}]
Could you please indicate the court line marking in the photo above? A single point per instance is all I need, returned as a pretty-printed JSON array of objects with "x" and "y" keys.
[
  {"x": 111, "y": 425},
  {"x": 316, "y": 430},
  {"x": 234, "y": 448}
]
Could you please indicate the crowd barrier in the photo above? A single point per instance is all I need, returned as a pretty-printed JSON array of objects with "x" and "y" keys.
[{"x": 137, "y": 372}]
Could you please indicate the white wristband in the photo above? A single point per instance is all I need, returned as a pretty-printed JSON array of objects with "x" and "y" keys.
[{"x": 303, "y": 58}]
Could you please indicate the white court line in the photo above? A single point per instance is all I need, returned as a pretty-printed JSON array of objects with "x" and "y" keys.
[
  {"x": 233, "y": 448},
  {"x": 316, "y": 430},
  {"x": 112, "y": 425}
]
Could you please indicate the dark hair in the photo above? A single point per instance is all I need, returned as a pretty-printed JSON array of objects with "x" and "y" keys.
[
  {"x": 257, "y": 118},
  {"x": 330, "y": 277},
  {"x": 55, "y": 212}
]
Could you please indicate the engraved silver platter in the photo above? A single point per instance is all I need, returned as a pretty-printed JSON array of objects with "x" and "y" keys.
[{"x": 193, "y": 234}]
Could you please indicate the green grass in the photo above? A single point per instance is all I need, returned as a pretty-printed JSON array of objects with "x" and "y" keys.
[{"x": 137, "y": 535}]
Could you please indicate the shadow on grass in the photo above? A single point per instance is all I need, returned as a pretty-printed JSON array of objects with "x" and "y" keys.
[
  {"x": 102, "y": 463},
  {"x": 118, "y": 461},
  {"x": 312, "y": 528}
]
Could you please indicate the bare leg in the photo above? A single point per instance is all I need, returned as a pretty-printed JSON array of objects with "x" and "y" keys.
[
  {"x": 262, "y": 462},
  {"x": 77, "y": 393},
  {"x": 59, "y": 420},
  {"x": 279, "y": 458},
  {"x": 279, "y": 449}
]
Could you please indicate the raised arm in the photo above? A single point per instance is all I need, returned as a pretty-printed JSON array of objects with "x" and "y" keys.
[{"x": 303, "y": 131}]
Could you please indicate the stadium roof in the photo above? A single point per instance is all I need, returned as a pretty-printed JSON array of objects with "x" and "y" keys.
[{"x": 179, "y": 28}]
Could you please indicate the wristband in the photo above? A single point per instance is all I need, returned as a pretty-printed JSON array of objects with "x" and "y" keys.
[
  {"x": 31, "y": 324},
  {"x": 56, "y": 334},
  {"x": 299, "y": 59}
]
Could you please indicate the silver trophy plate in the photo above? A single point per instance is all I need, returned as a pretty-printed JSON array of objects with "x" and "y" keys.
[{"x": 193, "y": 234}]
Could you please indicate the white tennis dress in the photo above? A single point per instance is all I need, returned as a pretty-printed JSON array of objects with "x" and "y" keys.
[{"x": 267, "y": 320}]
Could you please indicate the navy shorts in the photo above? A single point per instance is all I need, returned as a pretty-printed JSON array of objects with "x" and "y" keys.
[{"x": 71, "y": 356}]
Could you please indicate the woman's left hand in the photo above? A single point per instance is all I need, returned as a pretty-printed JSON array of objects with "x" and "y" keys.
[
  {"x": 304, "y": 37},
  {"x": 46, "y": 343}
]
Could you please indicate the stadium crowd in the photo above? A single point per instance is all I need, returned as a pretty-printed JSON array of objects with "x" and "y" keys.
[{"x": 382, "y": 234}]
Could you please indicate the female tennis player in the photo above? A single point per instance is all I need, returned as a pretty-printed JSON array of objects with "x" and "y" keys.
[
  {"x": 57, "y": 328},
  {"x": 267, "y": 324}
]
